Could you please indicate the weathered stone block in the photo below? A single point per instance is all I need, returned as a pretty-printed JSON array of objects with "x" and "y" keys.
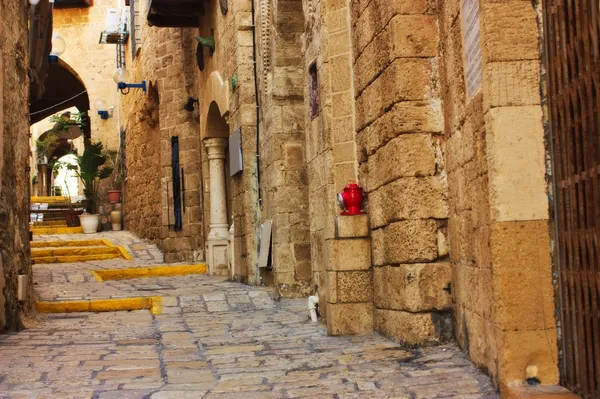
[
  {"x": 404, "y": 37},
  {"x": 413, "y": 328},
  {"x": 350, "y": 287},
  {"x": 349, "y": 318},
  {"x": 403, "y": 80},
  {"x": 370, "y": 17},
  {"x": 508, "y": 84},
  {"x": 523, "y": 292},
  {"x": 352, "y": 226},
  {"x": 404, "y": 117},
  {"x": 518, "y": 350},
  {"x": 348, "y": 254},
  {"x": 516, "y": 158},
  {"x": 408, "y": 241},
  {"x": 407, "y": 155},
  {"x": 408, "y": 198},
  {"x": 509, "y": 31},
  {"x": 416, "y": 287}
]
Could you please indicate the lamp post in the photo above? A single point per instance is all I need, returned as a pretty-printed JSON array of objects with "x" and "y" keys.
[{"x": 121, "y": 77}]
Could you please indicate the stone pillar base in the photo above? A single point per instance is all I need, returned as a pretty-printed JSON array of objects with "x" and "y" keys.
[
  {"x": 217, "y": 257},
  {"x": 349, "y": 279}
]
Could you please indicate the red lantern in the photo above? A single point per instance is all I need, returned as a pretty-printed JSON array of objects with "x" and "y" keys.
[{"x": 351, "y": 200}]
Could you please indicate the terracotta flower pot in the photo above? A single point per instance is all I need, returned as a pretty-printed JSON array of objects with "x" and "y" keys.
[
  {"x": 114, "y": 196},
  {"x": 71, "y": 218}
]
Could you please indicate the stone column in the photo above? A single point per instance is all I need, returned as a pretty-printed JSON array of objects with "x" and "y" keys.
[
  {"x": 217, "y": 245},
  {"x": 219, "y": 228}
]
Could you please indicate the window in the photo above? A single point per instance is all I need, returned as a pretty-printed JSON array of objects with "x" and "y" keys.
[{"x": 313, "y": 90}]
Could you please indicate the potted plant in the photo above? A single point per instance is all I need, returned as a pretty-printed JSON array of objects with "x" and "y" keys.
[
  {"x": 90, "y": 171},
  {"x": 114, "y": 194}
]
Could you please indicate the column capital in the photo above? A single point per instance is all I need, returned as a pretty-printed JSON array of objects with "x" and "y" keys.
[{"x": 215, "y": 146}]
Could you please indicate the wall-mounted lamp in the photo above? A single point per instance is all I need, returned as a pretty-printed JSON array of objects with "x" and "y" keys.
[
  {"x": 58, "y": 48},
  {"x": 121, "y": 77},
  {"x": 189, "y": 105},
  {"x": 102, "y": 109},
  {"x": 34, "y": 2}
]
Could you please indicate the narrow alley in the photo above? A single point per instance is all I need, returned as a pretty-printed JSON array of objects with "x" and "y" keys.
[
  {"x": 212, "y": 339},
  {"x": 300, "y": 199}
]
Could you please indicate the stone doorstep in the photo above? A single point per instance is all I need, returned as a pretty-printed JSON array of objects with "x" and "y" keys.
[{"x": 537, "y": 392}]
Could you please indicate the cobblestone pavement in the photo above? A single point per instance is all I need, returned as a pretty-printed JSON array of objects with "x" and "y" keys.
[{"x": 215, "y": 339}]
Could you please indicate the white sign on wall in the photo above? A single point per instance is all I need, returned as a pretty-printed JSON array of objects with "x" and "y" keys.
[{"x": 472, "y": 46}]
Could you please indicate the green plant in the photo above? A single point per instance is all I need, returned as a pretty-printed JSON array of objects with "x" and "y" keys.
[
  {"x": 90, "y": 171},
  {"x": 34, "y": 180},
  {"x": 45, "y": 148}
]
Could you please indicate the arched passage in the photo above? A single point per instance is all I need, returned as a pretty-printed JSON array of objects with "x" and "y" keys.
[
  {"x": 216, "y": 134},
  {"x": 63, "y": 89}
]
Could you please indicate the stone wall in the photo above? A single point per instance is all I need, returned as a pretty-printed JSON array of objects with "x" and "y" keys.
[
  {"x": 93, "y": 62},
  {"x": 166, "y": 62},
  {"x": 283, "y": 166},
  {"x": 14, "y": 161},
  {"x": 233, "y": 58},
  {"x": 401, "y": 165},
  {"x": 498, "y": 228}
]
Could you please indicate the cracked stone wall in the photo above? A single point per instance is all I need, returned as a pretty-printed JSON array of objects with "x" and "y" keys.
[
  {"x": 166, "y": 61},
  {"x": 14, "y": 162},
  {"x": 283, "y": 162},
  {"x": 498, "y": 226},
  {"x": 401, "y": 165}
]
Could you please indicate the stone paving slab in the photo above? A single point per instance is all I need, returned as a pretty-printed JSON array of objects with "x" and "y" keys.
[{"x": 215, "y": 339}]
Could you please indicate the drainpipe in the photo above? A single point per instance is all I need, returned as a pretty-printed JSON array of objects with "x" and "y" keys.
[
  {"x": 257, "y": 104},
  {"x": 313, "y": 302}
]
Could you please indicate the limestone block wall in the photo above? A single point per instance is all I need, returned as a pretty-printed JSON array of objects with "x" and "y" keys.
[
  {"x": 234, "y": 57},
  {"x": 401, "y": 156},
  {"x": 166, "y": 62},
  {"x": 93, "y": 62},
  {"x": 283, "y": 162},
  {"x": 14, "y": 162},
  {"x": 498, "y": 227}
]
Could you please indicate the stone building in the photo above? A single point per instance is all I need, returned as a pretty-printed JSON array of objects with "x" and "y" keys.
[
  {"x": 14, "y": 164},
  {"x": 436, "y": 108},
  {"x": 453, "y": 164}
]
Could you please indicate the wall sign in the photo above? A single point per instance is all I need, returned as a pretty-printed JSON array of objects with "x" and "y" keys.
[{"x": 472, "y": 46}]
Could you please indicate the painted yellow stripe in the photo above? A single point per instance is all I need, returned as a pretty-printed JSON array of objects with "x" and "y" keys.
[
  {"x": 154, "y": 271},
  {"x": 56, "y": 230},
  {"x": 75, "y": 258},
  {"x": 102, "y": 305},
  {"x": 72, "y": 243},
  {"x": 51, "y": 223},
  {"x": 74, "y": 251},
  {"x": 50, "y": 200}
]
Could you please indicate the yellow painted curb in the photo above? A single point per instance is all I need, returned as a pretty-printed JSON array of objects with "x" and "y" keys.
[
  {"x": 75, "y": 258},
  {"x": 153, "y": 304},
  {"x": 72, "y": 243},
  {"x": 74, "y": 251},
  {"x": 143, "y": 272},
  {"x": 51, "y": 223},
  {"x": 56, "y": 230},
  {"x": 124, "y": 254},
  {"x": 50, "y": 200}
]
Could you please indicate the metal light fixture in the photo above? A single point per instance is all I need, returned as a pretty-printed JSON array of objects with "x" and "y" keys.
[
  {"x": 189, "y": 105},
  {"x": 58, "y": 48},
  {"x": 102, "y": 109},
  {"x": 34, "y": 2},
  {"x": 121, "y": 77}
]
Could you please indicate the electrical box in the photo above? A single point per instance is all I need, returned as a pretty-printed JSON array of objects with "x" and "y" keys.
[{"x": 236, "y": 162}]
